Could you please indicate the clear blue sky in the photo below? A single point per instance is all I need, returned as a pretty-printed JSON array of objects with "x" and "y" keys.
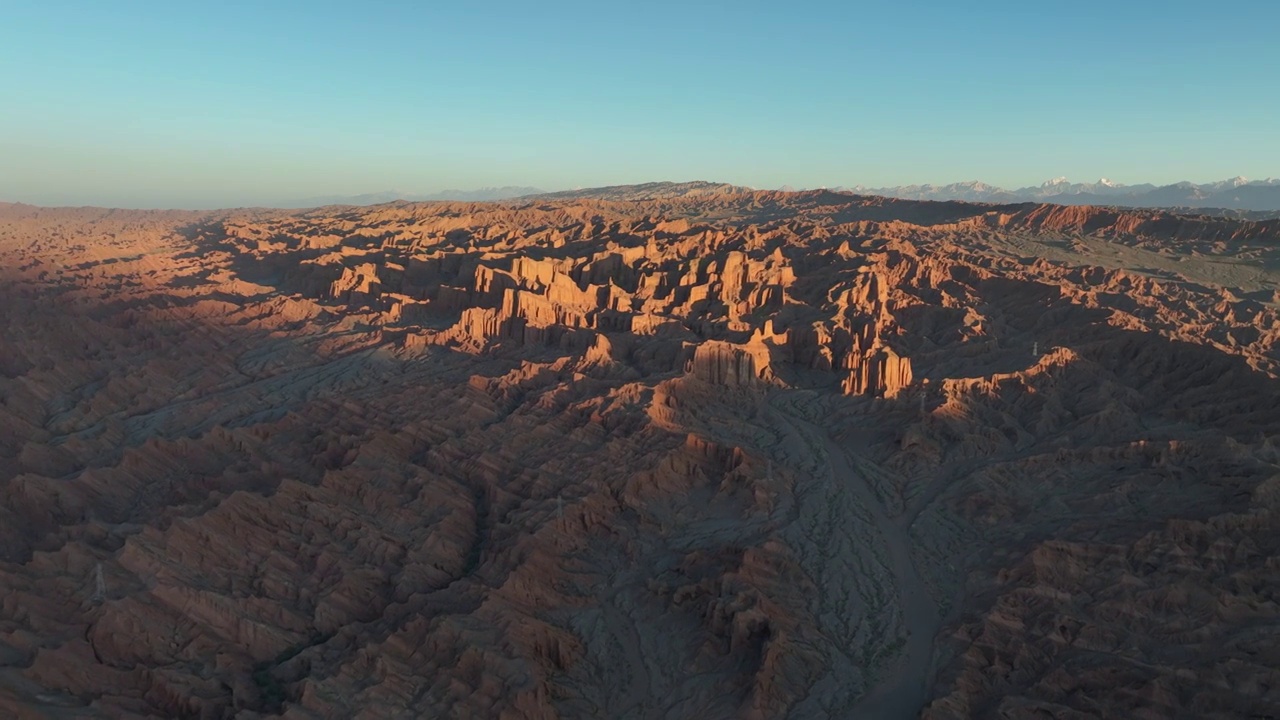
[{"x": 200, "y": 104}]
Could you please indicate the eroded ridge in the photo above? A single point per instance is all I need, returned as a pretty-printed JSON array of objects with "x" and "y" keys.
[{"x": 686, "y": 451}]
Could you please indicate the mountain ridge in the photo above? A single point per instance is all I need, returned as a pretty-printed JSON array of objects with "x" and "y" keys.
[
  {"x": 1236, "y": 193},
  {"x": 484, "y": 194},
  {"x": 1223, "y": 197}
]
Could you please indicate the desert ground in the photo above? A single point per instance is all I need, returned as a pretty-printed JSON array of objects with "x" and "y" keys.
[{"x": 677, "y": 451}]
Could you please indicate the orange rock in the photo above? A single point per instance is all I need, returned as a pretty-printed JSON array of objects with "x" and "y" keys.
[{"x": 596, "y": 455}]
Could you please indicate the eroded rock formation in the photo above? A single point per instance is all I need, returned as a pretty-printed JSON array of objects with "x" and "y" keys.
[{"x": 696, "y": 453}]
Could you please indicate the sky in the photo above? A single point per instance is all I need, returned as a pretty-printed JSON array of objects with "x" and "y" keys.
[{"x": 217, "y": 104}]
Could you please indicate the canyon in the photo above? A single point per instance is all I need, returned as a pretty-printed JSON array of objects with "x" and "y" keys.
[{"x": 654, "y": 451}]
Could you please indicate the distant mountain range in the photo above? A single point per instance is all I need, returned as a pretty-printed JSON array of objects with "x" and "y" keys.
[
  {"x": 1234, "y": 194},
  {"x": 642, "y": 191},
  {"x": 386, "y": 196},
  {"x": 648, "y": 191}
]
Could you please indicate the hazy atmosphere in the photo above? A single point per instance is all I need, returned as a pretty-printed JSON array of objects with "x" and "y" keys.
[{"x": 159, "y": 104}]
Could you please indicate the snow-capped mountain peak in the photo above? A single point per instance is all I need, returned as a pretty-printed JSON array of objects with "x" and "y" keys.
[{"x": 1235, "y": 193}]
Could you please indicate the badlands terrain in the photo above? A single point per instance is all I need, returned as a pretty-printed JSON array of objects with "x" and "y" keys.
[{"x": 655, "y": 452}]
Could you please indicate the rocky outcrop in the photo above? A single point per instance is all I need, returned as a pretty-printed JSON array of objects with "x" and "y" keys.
[
  {"x": 880, "y": 372},
  {"x": 720, "y": 363}
]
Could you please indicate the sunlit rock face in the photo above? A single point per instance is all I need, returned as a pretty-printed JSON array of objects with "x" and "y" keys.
[{"x": 667, "y": 451}]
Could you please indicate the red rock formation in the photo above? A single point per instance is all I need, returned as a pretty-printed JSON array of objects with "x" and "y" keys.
[
  {"x": 660, "y": 453},
  {"x": 879, "y": 372},
  {"x": 721, "y": 363}
]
